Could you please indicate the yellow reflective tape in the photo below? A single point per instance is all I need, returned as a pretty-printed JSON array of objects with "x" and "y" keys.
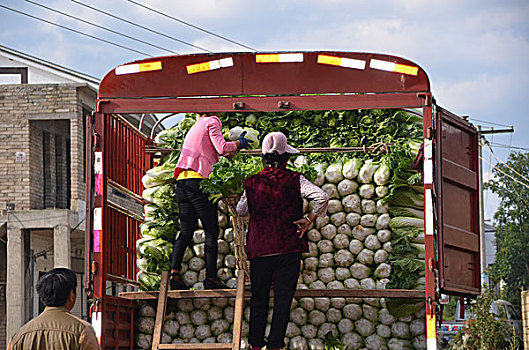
[
  {"x": 279, "y": 58},
  {"x": 324, "y": 59},
  {"x": 431, "y": 327},
  {"x": 199, "y": 67},
  {"x": 138, "y": 67},
  {"x": 342, "y": 62},
  {"x": 268, "y": 58},
  {"x": 210, "y": 65},
  {"x": 402, "y": 68},
  {"x": 148, "y": 66}
]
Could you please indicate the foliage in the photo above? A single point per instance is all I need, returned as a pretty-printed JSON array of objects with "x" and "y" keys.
[
  {"x": 485, "y": 331},
  {"x": 512, "y": 227},
  {"x": 228, "y": 174},
  {"x": 332, "y": 128}
]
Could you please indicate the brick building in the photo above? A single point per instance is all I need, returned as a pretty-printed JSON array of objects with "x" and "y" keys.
[
  {"x": 42, "y": 109},
  {"x": 42, "y": 183}
]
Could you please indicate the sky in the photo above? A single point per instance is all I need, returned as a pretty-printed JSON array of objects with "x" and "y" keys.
[{"x": 476, "y": 53}]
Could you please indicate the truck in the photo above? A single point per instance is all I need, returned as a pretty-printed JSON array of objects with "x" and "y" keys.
[
  {"x": 119, "y": 154},
  {"x": 502, "y": 309}
]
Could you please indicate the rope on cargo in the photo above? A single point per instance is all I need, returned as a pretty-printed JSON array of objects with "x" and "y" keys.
[{"x": 376, "y": 147}]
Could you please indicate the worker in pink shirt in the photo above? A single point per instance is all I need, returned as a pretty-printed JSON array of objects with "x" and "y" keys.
[{"x": 202, "y": 148}]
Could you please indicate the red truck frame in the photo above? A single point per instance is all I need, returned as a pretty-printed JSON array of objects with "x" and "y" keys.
[{"x": 272, "y": 81}]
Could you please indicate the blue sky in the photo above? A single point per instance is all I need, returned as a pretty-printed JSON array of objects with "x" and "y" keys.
[{"x": 476, "y": 53}]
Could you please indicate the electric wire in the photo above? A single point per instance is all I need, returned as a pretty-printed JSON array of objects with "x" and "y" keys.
[
  {"x": 502, "y": 162},
  {"x": 140, "y": 26},
  {"x": 501, "y": 145},
  {"x": 487, "y": 122},
  {"x": 504, "y": 173},
  {"x": 75, "y": 31},
  {"x": 100, "y": 27},
  {"x": 191, "y": 25}
]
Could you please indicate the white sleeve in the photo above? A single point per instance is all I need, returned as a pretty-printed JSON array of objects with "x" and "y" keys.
[
  {"x": 242, "y": 206},
  {"x": 313, "y": 192}
]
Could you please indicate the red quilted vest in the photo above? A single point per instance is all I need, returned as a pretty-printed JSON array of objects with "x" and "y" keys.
[{"x": 274, "y": 202}]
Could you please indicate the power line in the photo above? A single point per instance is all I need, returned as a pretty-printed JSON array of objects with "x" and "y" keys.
[
  {"x": 191, "y": 25},
  {"x": 502, "y": 162},
  {"x": 501, "y": 145},
  {"x": 75, "y": 31},
  {"x": 504, "y": 173},
  {"x": 140, "y": 26},
  {"x": 101, "y": 27},
  {"x": 487, "y": 122}
]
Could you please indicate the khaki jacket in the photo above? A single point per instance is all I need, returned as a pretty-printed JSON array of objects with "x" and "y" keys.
[{"x": 55, "y": 328}]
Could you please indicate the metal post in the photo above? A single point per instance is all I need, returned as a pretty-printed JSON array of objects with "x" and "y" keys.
[
  {"x": 482, "y": 243},
  {"x": 430, "y": 258}
]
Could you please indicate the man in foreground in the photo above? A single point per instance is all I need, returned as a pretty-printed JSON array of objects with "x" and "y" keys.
[{"x": 56, "y": 327}]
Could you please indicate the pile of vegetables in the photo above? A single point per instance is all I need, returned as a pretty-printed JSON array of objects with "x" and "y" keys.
[{"x": 371, "y": 237}]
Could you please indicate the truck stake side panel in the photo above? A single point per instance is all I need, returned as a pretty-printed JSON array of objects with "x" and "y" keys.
[{"x": 458, "y": 208}]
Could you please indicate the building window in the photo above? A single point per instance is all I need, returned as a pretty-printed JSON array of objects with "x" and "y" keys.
[{"x": 13, "y": 75}]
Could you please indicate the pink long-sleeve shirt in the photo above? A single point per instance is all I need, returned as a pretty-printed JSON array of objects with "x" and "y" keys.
[{"x": 203, "y": 146}]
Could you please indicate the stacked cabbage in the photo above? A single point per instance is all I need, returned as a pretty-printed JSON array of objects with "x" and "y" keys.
[{"x": 370, "y": 238}]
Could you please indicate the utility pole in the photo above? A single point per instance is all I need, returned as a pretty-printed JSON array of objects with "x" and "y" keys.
[{"x": 482, "y": 243}]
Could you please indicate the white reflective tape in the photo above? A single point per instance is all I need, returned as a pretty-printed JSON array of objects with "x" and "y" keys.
[
  {"x": 352, "y": 63},
  {"x": 428, "y": 171},
  {"x": 428, "y": 161},
  {"x": 214, "y": 65},
  {"x": 138, "y": 67},
  {"x": 97, "y": 323},
  {"x": 98, "y": 219},
  {"x": 342, "y": 62},
  {"x": 210, "y": 65},
  {"x": 290, "y": 57},
  {"x": 98, "y": 163},
  {"x": 431, "y": 344},
  {"x": 128, "y": 69},
  {"x": 428, "y": 212},
  {"x": 428, "y": 149},
  {"x": 382, "y": 65},
  {"x": 279, "y": 58},
  {"x": 226, "y": 62}
]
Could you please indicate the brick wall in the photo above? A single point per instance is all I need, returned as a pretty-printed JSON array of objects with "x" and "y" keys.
[{"x": 24, "y": 112}]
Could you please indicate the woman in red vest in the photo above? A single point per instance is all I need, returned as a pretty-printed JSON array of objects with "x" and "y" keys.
[{"x": 276, "y": 236}]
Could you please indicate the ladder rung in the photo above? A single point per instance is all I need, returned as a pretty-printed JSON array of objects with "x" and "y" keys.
[{"x": 201, "y": 346}]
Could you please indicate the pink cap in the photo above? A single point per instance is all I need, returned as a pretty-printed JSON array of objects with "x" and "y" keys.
[{"x": 277, "y": 141}]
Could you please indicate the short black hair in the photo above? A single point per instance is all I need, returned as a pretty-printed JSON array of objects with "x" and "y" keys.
[
  {"x": 275, "y": 159},
  {"x": 55, "y": 286}
]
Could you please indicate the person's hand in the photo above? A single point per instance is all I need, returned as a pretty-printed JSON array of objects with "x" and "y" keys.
[
  {"x": 230, "y": 154},
  {"x": 244, "y": 141},
  {"x": 303, "y": 225}
]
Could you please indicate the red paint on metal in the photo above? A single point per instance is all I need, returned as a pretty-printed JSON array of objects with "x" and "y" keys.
[
  {"x": 429, "y": 247},
  {"x": 246, "y": 77},
  {"x": 269, "y": 104},
  {"x": 458, "y": 209}
]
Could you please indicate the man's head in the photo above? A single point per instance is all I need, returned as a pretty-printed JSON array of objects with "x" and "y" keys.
[{"x": 58, "y": 288}]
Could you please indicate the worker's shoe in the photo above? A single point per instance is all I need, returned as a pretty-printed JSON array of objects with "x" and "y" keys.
[
  {"x": 176, "y": 283},
  {"x": 214, "y": 283}
]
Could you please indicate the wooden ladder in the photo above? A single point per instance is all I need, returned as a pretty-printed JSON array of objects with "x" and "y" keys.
[{"x": 237, "y": 319}]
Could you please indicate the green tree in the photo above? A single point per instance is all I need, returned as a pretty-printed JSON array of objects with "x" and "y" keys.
[
  {"x": 485, "y": 331},
  {"x": 512, "y": 225}
]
